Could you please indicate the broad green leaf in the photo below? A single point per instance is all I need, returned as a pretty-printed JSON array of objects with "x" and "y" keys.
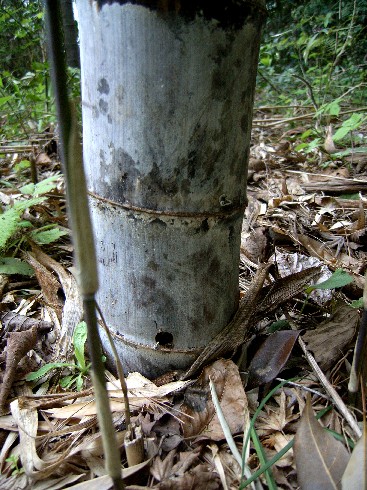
[
  {"x": 4, "y": 100},
  {"x": 301, "y": 146},
  {"x": 23, "y": 164},
  {"x": 341, "y": 133},
  {"x": 333, "y": 108},
  {"x": 11, "y": 265},
  {"x": 308, "y": 147},
  {"x": 307, "y": 133},
  {"x": 47, "y": 236},
  {"x": 351, "y": 124},
  {"x": 338, "y": 279},
  {"x": 265, "y": 60},
  {"x": 320, "y": 459},
  {"x": 79, "y": 339},
  {"x": 45, "y": 369}
]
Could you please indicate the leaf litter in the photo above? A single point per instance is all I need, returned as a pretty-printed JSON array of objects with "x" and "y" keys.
[{"x": 300, "y": 217}]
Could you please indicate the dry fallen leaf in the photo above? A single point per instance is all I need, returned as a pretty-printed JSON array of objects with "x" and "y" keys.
[
  {"x": 328, "y": 340},
  {"x": 19, "y": 343},
  {"x": 355, "y": 475},
  {"x": 199, "y": 407},
  {"x": 320, "y": 459},
  {"x": 271, "y": 357}
]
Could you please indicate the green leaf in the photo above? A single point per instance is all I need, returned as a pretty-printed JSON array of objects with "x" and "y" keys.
[
  {"x": 351, "y": 124},
  {"x": 79, "y": 339},
  {"x": 333, "y": 108},
  {"x": 4, "y": 100},
  {"x": 11, "y": 265},
  {"x": 21, "y": 206},
  {"x": 22, "y": 165},
  {"x": 8, "y": 225},
  {"x": 44, "y": 237},
  {"x": 67, "y": 381},
  {"x": 338, "y": 279},
  {"x": 341, "y": 133},
  {"x": 265, "y": 60},
  {"x": 46, "y": 368},
  {"x": 280, "y": 324},
  {"x": 308, "y": 147},
  {"x": 357, "y": 303},
  {"x": 79, "y": 383},
  {"x": 27, "y": 189},
  {"x": 301, "y": 146},
  {"x": 42, "y": 187},
  {"x": 10, "y": 220},
  {"x": 307, "y": 133}
]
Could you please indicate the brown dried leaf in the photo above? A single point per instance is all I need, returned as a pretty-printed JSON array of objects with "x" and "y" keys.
[
  {"x": 19, "y": 343},
  {"x": 72, "y": 312},
  {"x": 328, "y": 340},
  {"x": 201, "y": 477},
  {"x": 11, "y": 321},
  {"x": 320, "y": 459},
  {"x": 162, "y": 468},
  {"x": 199, "y": 407},
  {"x": 355, "y": 475},
  {"x": 271, "y": 357},
  {"x": 27, "y": 421},
  {"x": 48, "y": 282},
  {"x": 42, "y": 158},
  {"x": 318, "y": 249},
  {"x": 255, "y": 244},
  {"x": 169, "y": 427},
  {"x": 276, "y": 419},
  {"x": 3, "y": 282}
]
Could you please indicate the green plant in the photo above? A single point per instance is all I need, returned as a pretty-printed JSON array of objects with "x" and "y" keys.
[
  {"x": 14, "y": 462},
  {"x": 15, "y": 231},
  {"x": 307, "y": 60},
  {"x": 26, "y": 103},
  {"x": 78, "y": 370},
  {"x": 338, "y": 279}
]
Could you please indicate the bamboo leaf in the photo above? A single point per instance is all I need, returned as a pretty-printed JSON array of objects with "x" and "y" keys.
[
  {"x": 320, "y": 459},
  {"x": 45, "y": 369},
  {"x": 79, "y": 339}
]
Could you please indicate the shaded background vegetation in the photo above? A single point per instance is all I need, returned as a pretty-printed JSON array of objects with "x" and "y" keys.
[
  {"x": 313, "y": 55},
  {"x": 313, "y": 52}
]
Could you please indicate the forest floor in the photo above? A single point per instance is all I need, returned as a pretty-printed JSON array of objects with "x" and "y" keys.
[{"x": 307, "y": 210}]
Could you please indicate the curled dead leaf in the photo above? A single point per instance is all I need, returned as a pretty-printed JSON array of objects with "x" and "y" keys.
[
  {"x": 320, "y": 459},
  {"x": 271, "y": 357}
]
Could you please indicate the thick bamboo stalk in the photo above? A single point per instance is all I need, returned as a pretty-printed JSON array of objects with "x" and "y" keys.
[{"x": 167, "y": 92}]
